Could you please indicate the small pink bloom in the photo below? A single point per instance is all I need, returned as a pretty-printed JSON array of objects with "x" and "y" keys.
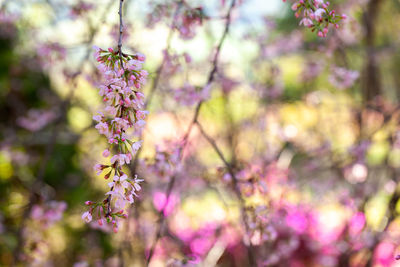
[
  {"x": 141, "y": 114},
  {"x": 102, "y": 127},
  {"x": 106, "y": 153},
  {"x": 97, "y": 118},
  {"x": 87, "y": 216},
  {"x": 306, "y": 22},
  {"x": 98, "y": 168},
  {"x": 141, "y": 57},
  {"x": 135, "y": 147},
  {"x": 318, "y": 14}
]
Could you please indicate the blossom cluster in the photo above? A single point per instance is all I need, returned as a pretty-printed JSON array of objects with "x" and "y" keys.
[
  {"x": 343, "y": 78},
  {"x": 316, "y": 15},
  {"x": 298, "y": 234},
  {"x": 166, "y": 161},
  {"x": 189, "y": 95},
  {"x": 50, "y": 53},
  {"x": 123, "y": 77},
  {"x": 48, "y": 214},
  {"x": 35, "y": 234},
  {"x": 188, "y": 20},
  {"x": 36, "y": 119}
]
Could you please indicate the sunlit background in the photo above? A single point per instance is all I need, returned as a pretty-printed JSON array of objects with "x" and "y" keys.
[{"x": 309, "y": 125}]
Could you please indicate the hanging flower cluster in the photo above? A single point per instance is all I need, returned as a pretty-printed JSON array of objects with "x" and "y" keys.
[
  {"x": 123, "y": 77},
  {"x": 316, "y": 15}
]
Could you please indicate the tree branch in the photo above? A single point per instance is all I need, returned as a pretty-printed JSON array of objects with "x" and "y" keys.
[
  {"x": 187, "y": 134},
  {"x": 235, "y": 188}
]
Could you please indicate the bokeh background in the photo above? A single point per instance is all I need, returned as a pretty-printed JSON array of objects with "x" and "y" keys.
[{"x": 309, "y": 126}]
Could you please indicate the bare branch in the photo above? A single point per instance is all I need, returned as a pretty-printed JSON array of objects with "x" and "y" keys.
[
  {"x": 187, "y": 134},
  {"x": 235, "y": 188}
]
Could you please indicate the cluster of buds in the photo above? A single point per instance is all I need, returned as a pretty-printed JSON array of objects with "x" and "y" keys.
[
  {"x": 316, "y": 15},
  {"x": 123, "y": 77}
]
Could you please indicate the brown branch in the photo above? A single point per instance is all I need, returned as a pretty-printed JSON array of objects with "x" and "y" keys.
[
  {"x": 161, "y": 219},
  {"x": 236, "y": 189},
  {"x": 187, "y": 134},
  {"x": 157, "y": 78},
  {"x": 214, "y": 68},
  {"x": 121, "y": 30}
]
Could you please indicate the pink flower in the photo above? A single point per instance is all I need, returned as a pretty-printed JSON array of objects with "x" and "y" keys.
[
  {"x": 141, "y": 57},
  {"x": 97, "y": 118},
  {"x": 98, "y": 168},
  {"x": 343, "y": 78},
  {"x": 140, "y": 98},
  {"x": 141, "y": 114},
  {"x": 318, "y": 14},
  {"x": 135, "y": 147},
  {"x": 102, "y": 127},
  {"x": 87, "y": 216},
  {"x": 121, "y": 158},
  {"x": 106, "y": 153},
  {"x": 119, "y": 184},
  {"x": 306, "y": 22},
  {"x": 135, "y": 183}
]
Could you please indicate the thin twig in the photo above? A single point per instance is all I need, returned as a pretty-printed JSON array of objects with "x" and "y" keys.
[
  {"x": 157, "y": 78},
  {"x": 187, "y": 134},
  {"x": 235, "y": 188},
  {"x": 214, "y": 68},
  {"x": 121, "y": 30}
]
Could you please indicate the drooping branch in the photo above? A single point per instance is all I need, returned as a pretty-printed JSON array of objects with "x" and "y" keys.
[
  {"x": 214, "y": 68},
  {"x": 236, "y": 188},
  {"x": 157, "y": 76},
  {"x": 192, "y": 123}
]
